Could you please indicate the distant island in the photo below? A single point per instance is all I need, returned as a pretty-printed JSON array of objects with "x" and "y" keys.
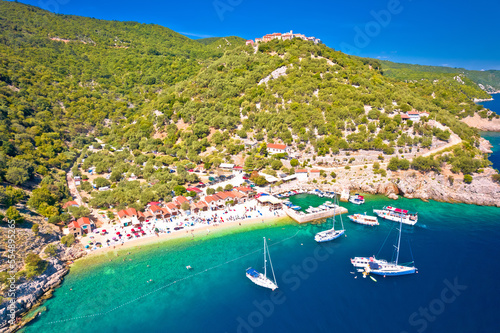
[{"x": 108, "y": 125}]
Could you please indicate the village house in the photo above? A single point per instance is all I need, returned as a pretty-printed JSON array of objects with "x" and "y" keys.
[
  {"x": 274, "y": 148},
  {"x": 199, "y": 206},
  {"x": 156, "y": 211},
  {"x": 414, "y": 115},
  {"x": 128, "y": 216},
  {"x": 247, "y": 191},
  {"x": 70, "y": 204},
  {"x": 180, "y": 200},
  {"x": 301, "y": 174},
  {"x": 314, "y": 173},
  {"x": 81, "y": 226},
  {"x": 249, "y": 42},
  {"x": 172, "y": 207}
]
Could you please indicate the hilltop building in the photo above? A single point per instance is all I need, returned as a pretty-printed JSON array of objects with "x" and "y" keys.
[{"x": 285, "y": 36}]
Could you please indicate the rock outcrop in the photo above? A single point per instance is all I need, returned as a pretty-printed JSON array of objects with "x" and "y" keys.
[{"x": 29, "y": 292}]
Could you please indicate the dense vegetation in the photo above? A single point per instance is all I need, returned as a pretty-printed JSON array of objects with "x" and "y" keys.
[
  {"x": 490, "y": 79},
  {"x": 150, "y": 100}
]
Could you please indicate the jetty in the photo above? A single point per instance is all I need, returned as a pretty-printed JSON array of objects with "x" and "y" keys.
[{"x": 302, "y": 217}]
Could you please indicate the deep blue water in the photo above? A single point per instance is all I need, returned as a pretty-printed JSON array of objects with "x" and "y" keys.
[{"x": 452, "y": 244}]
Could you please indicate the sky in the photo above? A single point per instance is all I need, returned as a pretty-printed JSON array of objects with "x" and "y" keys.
[{"x": 428, "y": 32}]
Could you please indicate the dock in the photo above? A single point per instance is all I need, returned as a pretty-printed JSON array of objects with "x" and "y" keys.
[{"x": 301, "y": 217}]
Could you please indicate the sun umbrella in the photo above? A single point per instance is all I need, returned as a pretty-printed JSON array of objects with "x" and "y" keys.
[{"x": 118, "y": 233}]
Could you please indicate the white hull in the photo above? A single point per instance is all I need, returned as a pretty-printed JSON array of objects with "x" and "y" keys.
[
  {"x": 381, "y": 267},
  {"x": 362, "y": 262},
  {"x": 328, "y": 235},
  {"x": 364, "y": 219},
  {"x": 387, "y": 215},
  {"x": 262, "y": 281}
]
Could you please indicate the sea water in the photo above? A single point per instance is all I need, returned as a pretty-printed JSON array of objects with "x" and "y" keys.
[
  {"x": 493, "y": 137},
  {"x": 454, "y": 246}
]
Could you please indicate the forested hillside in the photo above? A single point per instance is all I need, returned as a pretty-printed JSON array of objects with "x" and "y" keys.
[
  {"x": 155, "y": 98},
  {"x": 488, "y": 79}
]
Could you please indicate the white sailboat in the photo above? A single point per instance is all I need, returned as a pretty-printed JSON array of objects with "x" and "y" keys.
[
  {"x": 382, "y": 267},
  {"x": 262, "y": 279},
  {"x": 330, "y": 234}
]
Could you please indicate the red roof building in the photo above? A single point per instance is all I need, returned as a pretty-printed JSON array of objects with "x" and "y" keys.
[
  {"x": 70, "y": 204},
  {"x": 275, "y": 148},
  {"x": 81, "y": 226}
]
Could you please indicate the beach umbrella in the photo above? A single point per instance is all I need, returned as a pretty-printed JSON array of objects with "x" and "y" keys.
[
  {"x": 128, "y": 235},
  {"x": 104, "y": 230},
  {"x": 118, "y": 233},
  {"x": 86, "y": 246}
]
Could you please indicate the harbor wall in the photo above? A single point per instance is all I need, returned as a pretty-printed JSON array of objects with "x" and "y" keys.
[{"x": 308, "y": 217}]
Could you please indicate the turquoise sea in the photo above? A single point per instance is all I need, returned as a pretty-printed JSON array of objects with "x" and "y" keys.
[
  {"x": 455, "y": 247},
  {"x": 493, "y": 137}
]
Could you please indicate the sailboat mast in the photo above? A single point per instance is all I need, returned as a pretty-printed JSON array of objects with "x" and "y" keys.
[
  {"x": 399, "y": 238},
  {"x": 265, "y": 260}
]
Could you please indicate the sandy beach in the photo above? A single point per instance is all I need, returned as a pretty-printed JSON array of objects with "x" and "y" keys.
[{"x": 193, "y": 233}]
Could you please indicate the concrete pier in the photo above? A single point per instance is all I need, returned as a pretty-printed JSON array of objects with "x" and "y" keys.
[{"x": 308, "y": 217}]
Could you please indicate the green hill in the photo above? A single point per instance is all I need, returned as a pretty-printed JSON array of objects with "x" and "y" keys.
[
  {"x": 66, "y": 81},
  {"x": 489, "y": 80}
]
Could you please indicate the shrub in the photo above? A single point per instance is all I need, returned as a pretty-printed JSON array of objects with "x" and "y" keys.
[
  {"x": 467, "y": 179},
  {"x": 34, "y": 265},
  {"x": 35, "y": 228},
  {"x": 51, "y": 250},
  {"x": 68, "y": 240}
]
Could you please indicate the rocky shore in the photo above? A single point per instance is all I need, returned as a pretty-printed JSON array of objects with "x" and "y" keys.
[
  {"x": 31, "y": 293},
  {"x": 483, "y": 124},
  {"x": 432, "y": 186}
]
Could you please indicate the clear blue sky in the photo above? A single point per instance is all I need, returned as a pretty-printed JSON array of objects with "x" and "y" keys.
[{"x": 428, "y": 32}]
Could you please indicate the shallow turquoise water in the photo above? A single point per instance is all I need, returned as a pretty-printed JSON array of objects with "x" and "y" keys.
[{"x": 317, "y": 291}]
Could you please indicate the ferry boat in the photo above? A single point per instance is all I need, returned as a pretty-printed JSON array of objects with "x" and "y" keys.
[
  {"x": 357, "y": 199},
  {"x": 364, "y": 219},
  {"x": 397, "y": 215}
]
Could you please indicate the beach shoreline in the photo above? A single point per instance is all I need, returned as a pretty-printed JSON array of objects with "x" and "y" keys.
[{"x": 193, "y": 233}]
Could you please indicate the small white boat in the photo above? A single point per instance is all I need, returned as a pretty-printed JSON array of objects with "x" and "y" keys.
[
  {"x": 357, "y": 199},
  {"x": 330, "y": 234},
  {"x": 364, "y": 219}
]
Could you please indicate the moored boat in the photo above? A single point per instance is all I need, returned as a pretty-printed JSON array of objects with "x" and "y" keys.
[
  {"x": 397, "y": 215},
  {"x": 364, "y": 219},
  {"x": 261, "y": 279},
  {"x": 382, "y": 267},
  {"x": 357, "y": 199}
]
